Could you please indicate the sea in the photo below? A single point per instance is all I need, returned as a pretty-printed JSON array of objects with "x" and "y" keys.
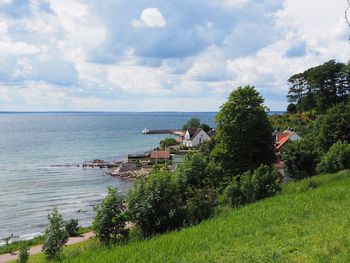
[{"x": 35, "y": 147}]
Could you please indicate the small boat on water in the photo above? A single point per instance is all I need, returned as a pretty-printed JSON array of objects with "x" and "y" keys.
[{"x": 145, "y": 131}]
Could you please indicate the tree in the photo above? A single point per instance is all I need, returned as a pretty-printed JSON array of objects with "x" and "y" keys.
[
  {"x": 156, "y": 203},
  {"x": 335, "y": 125},
  {"x": 244, "y": 133},
  {"x": 110, "y": 220},
  {"x": 23, "y": 255},
  {"x": 167, "y": 142},
  {"x": 292, "y": 108},
  {"x": 336, "y": 159},
  {"x": 300, "y": 158},
  {"x": 55, "y": 236},
  {"x": 192, "y": 123},
  {"x": 205, "y": 127},
  {"x": 71, "y": 227}
]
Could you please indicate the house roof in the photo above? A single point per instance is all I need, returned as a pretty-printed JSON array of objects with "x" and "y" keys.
[
  {"x": 194, "y": 131},
  {"x": 160, "y": 155},
  {"x": 281, "y": 142}
]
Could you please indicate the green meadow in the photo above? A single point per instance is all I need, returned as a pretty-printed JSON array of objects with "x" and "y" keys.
[{"x": 308, "y": 222}]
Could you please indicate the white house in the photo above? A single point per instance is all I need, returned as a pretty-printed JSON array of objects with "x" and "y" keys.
[{"x": 195, "y": 137}]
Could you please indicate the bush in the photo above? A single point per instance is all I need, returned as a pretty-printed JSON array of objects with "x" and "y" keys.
[
  {"x": 167, "y": 142},
  {"x": 156, "y": 203},
  {"x": 336, "y": 159},
  {"x": 250, "y": 187},
  {"x": 110, "y": 220},
  {"x": 23, "y": 255},
  {"x": 71, "y": 227},
  {"x": 300, "y": 158},
  {"x": 200, "y": 205},
  {"x": 55, "y": 236},
  {"x": 193, "y": 171}
]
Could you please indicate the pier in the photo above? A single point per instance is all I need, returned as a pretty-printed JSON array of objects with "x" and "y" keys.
[{"x": 173, "y": 131}]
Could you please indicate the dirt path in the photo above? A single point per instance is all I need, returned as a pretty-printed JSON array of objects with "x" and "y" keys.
[{"x": 37, "y": 249}]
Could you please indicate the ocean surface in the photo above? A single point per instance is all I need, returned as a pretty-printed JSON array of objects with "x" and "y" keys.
[{"x": 31, "y": 143}]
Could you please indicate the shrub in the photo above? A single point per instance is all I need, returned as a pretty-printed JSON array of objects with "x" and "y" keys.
[
  {"x": 156, "y": 203},
  {"x": 193, "y": 171},
  {"x": 300, "y": 158},
  {"x": 167, "y": 142},
  {"x": 71, "y": 227},
  {"x": 336, "y": 159},
  {"x": 55, "y": 236},
  {"x": 110, "y": 220},
  {"x": 23, "y": 255},
  {"x": 265, "y": 182},
  {"x": 200, "y": 205},
  {"x": 250, "y": 187}
]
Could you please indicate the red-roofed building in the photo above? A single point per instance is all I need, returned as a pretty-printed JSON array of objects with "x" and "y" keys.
[
  {"x": 282, "y": 138},
  {"x": 160, "y": 155}
]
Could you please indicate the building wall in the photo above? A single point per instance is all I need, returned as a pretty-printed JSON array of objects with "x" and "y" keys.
[{"x": 200, "y": 138}]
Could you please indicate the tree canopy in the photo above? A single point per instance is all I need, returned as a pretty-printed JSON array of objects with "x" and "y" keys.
[
  {"x": 320, "y": 87},
  {"x": 244, "y": 134}
]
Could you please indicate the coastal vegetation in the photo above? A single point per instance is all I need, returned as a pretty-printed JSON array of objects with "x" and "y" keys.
[
  {"x": 307, "y": 222},
  {"x": 55, "y": 236}
]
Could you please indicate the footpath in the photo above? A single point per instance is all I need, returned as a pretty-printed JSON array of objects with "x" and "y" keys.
[{"x": 37, "y": 249}]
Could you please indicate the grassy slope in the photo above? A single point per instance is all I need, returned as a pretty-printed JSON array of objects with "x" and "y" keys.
[{"x": 308, "y": 222}]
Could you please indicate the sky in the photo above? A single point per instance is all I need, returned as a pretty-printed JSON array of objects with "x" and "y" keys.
[{"x": 158, "y": 55}]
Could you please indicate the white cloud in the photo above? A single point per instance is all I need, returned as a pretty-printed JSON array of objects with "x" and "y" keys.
[{"x": 150, "y": 17}]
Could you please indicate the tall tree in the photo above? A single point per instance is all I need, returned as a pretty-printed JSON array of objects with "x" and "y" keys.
[{"x": 244, "y": 133}]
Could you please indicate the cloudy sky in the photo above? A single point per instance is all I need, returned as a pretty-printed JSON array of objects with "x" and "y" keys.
[{"x": 158, "y": 55}]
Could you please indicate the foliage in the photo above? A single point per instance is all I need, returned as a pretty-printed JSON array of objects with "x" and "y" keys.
[
  {"x": 110, "y": 220},
  {"x": 300, "y": 158},
  {"x": 192, "y": 123},
  {"x": 71, "y": 227},
  {"x": 292, "y": 108},
  {"x": 167, "y": 142},
  {"x": 298, "y": 225},
  {"x": 23, "y": 255},
  {"x": 250, "y": 187},
  {"x": 335, "y": 125},
  {"x": 156, "y": 203},
  {"x": 244, "y": 134},
  {"x": 336, "y": 159},
  {"x": 200, "y": 203},
  {"x": 297, "y": 121},
  {"x": 320, "y": 87},
  {"x": 55, "y": 236},
  {"x": 196, "y": 123},
  {"x": 193, "y": 171},
  {"x": 205, "y": 127}
]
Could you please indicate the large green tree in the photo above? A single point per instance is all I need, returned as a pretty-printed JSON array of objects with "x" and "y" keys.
[
  {"x": 244, "y": 134},
  {"x": 335, "y": 125}
]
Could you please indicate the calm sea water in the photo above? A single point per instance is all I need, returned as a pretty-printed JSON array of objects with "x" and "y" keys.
[{"x": 30, "y": 143}]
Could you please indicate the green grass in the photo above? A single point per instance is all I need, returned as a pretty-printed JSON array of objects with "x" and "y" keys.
[
  {"x": 17, "y": 245},
  {"x": 308, "y": 222}
]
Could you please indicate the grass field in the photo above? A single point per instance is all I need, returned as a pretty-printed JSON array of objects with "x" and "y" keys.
[{"x": 308, "y": 222}]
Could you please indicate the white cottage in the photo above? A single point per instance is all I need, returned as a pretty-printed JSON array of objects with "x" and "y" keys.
[{"x": 195, "y": 137}]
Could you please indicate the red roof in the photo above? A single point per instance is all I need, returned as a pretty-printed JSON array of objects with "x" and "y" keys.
[
  {"x": 281, "y": 143},
  {"x": 282, "y": 138},
  {"x": 160, "y": 155}
]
